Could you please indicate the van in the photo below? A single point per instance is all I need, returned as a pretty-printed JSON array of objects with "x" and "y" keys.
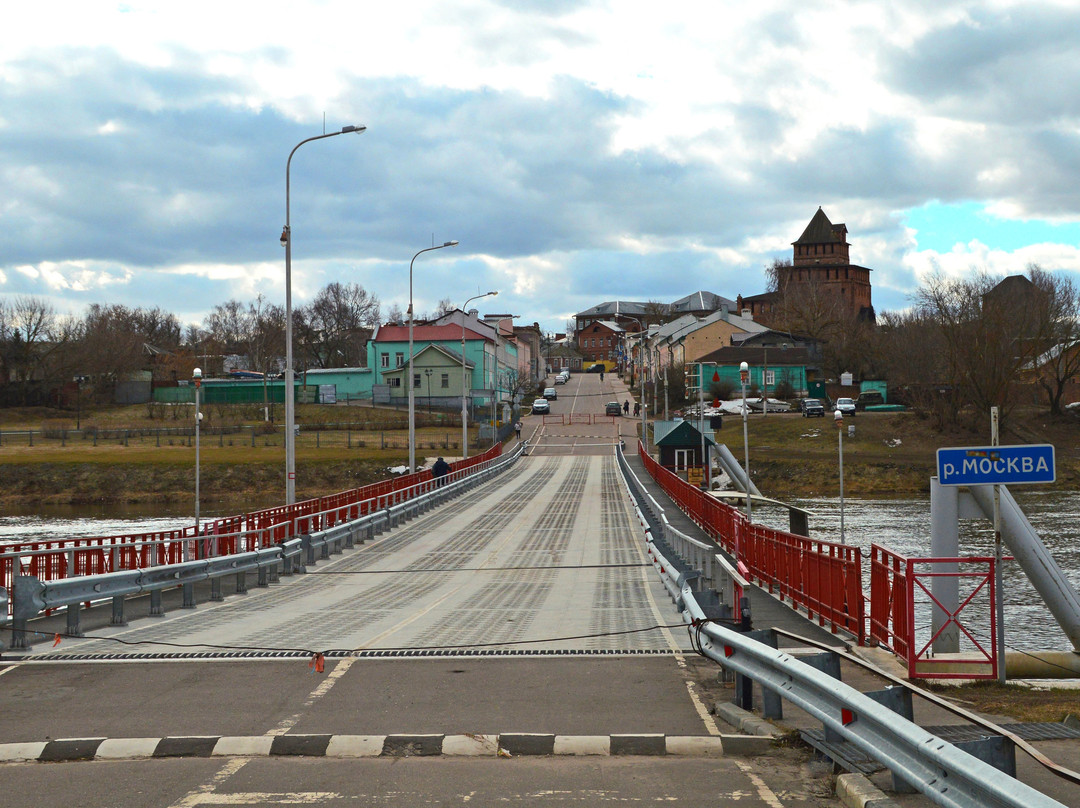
[{"x": 869, "y": 398}]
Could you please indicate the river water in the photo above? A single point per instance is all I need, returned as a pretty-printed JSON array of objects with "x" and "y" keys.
[{"x": 900, "y": 524}]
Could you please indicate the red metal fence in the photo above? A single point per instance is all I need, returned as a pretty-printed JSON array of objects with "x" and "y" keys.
[
  {"x": 63, "y": 558},
  {"x": 824, "y": 578}
]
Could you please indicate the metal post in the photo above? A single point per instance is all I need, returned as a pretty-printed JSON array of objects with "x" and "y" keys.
[
  {"x": 286, "y": 242},
  {"x": 839, "y": 419},
  {"x": 412, "y": 391},
  {"x": 998, "y": 556},
  {"x": 464, "y": 382},
  {"x": 197, "y": 374},
  {"x": 744, "y": 377}
]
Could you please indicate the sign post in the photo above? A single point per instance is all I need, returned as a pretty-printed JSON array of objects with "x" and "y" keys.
[{"x": 997, "y": 465}]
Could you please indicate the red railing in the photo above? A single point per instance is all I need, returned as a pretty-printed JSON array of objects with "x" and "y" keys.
[
  {"x": 889, "y": 600},
  {"x": 824, "y": 578},
  {"x": 63, "y": 558}
]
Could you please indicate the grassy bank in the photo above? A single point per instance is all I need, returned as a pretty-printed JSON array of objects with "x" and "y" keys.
[{"x": 890, "y": 453}]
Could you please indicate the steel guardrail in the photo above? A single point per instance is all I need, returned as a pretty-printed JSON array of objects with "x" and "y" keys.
[
  {"x": 945, "y": 774},
  {"x": 33, "y": 596}
]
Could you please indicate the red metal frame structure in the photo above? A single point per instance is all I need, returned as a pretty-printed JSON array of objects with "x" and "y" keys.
[
  {"x": 921, "y": 663},
  {"x": 62, "y": 558},
  {"x": 824, "y": 578}
]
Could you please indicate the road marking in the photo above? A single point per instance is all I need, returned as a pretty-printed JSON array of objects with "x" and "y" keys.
[
  {"x": 8, "y": 669},
  {"x": 764, "y": 792},
  {"x": 680, "y": 657},
  {"x": 204, "y": 794}
]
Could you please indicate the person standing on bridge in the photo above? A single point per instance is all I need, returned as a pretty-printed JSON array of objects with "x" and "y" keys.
[{"x": 439, "y": 471}]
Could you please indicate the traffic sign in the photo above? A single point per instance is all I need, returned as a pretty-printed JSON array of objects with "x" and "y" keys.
[{"x": 992, "y": 465}]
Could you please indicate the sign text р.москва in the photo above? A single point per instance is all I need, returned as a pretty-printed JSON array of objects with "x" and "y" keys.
[{"x": 990, "y": 465}]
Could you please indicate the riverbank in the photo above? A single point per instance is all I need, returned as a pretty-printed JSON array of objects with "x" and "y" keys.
[{"x": 790, "y": 456}]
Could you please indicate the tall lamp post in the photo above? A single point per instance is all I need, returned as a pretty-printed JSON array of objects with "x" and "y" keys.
[
  {"x": 838, "y": 417},
  {"x": 412, "y": 387},
  {"x": 286, "y": 242},
  {"x": 197, "y": 378},
  {"x": 744, "y": 378},
  {"x": 464, "y": 382}
]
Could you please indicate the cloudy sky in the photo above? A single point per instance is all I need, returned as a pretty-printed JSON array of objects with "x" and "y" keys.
[{"x": 579, "y": 151}]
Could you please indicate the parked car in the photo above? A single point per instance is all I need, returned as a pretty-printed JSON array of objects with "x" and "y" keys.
[
  {"x": 560, "y": 379},
  {"x": 599, "y": 367},
  {"x": 846, "y": 406},
  {"x": 613, "y": 408},
  {"x": 869, "y": 398},
  {"x": 540, "y": 406},
  {"x": 551, "y": 394},
  {"x": 812, "y": 408}
]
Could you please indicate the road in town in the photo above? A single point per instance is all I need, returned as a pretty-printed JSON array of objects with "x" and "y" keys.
[{"x": 526, "y": 606}]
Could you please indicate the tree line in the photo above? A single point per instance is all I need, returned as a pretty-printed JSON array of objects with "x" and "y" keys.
[{"x": 43, "y": 351}]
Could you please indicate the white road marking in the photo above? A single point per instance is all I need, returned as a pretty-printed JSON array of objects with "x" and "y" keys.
[{"x": 764, "y": 792}]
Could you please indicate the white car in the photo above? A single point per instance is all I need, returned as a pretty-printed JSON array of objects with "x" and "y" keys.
[
  {"x": 541, "y": 406},
  {"x": 846, "y": 406},
  {"x": 560, "y": 379}
]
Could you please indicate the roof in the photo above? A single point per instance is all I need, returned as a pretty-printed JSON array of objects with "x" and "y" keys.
[
  {"x": 756, "y": 355},
  {"x": 608, "y": 324},
  {"x": 615, "y": 308},
  {"x": 702, "y": 301},
  {"x": 684, "y": 433},
  {"x": 425, "y": 333},
  {"x": 822, "y": 231},
  {"x": 452, "y": 355}
]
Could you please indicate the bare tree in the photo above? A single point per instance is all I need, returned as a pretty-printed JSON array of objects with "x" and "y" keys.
[
  {"x": 1056, "y": 361},
  {"x": 337, "y": 324}
]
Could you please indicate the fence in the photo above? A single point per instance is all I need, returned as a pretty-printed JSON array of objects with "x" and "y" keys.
[
  {"x": 64, "y": 558},
  {"x": 824, "y": 578}
]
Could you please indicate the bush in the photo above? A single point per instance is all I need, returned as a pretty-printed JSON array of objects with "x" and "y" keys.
[{"x": 784, "y": 390}]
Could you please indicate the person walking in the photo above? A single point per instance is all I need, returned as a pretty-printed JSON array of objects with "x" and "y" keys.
[
  {"x": 517, "y": 430},
  {"x": 626, "y": 406}
]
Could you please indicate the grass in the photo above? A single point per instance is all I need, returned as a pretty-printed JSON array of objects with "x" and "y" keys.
[{"x": 1022, "y": 702}]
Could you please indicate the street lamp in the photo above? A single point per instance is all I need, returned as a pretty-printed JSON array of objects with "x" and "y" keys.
[
  {"x": 427, "y": 373},
  {"x": 464, "y": 383},
  {"x": 838, "y": 418},
  {"x": 286, "y": 242},
  {"x": 412, "y": 391},
  {"x": 197, "y": 378},
  {"x": 744, "y": 377},
  {"x": 78, "y": 401}
]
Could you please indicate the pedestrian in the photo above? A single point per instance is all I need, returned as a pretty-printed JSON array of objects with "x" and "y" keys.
[
  {"x": 601, "y": 375},
  {"x": 517, "y": 429},
  {"x": 626, "y": 406},
  {"x": 439, "y": 471},
  {"x": 637, "y": 408}
]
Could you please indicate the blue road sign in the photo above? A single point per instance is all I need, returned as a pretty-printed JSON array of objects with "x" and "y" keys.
[{"x": 989, "y": 465}]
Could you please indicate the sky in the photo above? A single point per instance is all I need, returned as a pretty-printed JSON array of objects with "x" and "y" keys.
[{"x": 578, "y": 151}]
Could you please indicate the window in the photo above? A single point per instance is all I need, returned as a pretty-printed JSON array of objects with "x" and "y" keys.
[
  {"x": 395, "y": 381},
  {"x": 770, "y": 378},
  {"x": 445, "y": 381},
  {"x": 386, "y": 360},
  {"x": 399, "y": 359},
  {"x": 416, "y": 380}
]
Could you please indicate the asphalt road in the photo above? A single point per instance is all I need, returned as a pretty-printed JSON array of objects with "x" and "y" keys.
[{"x": 525, "y": 609}]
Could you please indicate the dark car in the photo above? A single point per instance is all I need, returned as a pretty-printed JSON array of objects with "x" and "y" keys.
[
  {"x": 869, "y": 398},
  {"x": 812, "y": 408},
  {"x": 613, "y": 408},
  {"x": 599, "y": 367}
]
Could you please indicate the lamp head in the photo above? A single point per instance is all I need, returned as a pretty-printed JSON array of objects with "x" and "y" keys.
[
  {"x": 358, "y": 129},
  {"x": 450, "y": 244},
  {"x": 196, "y": 373},
  {"x": 285, "y": 236}
]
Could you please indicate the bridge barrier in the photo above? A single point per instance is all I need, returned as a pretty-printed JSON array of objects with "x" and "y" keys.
[
  {"x": 33, "y": 595},
  {"x": 824, "y": 578},
  {"x": 66, "y": 558},
  {"x": 878, "y": 724}
]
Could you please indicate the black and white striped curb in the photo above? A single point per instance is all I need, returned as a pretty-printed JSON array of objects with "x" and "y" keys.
[{"x": 355, "y": 746}]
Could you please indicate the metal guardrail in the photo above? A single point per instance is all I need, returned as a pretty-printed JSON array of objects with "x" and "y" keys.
[
  {"x": 33, "y": 596},
  {"x": 944, "y": 773}
]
